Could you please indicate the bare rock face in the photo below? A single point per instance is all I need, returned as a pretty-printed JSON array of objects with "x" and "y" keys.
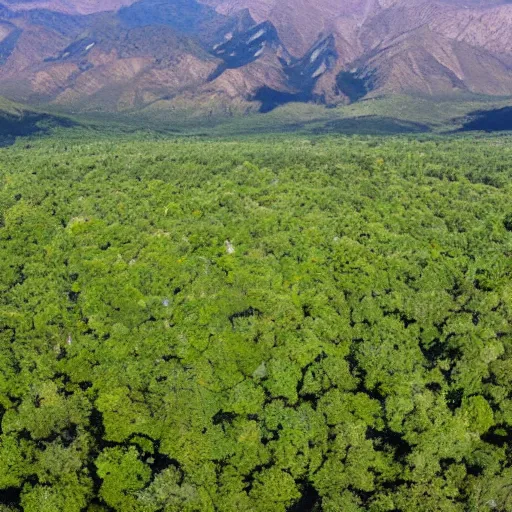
[{"x": 128, "y": 54}]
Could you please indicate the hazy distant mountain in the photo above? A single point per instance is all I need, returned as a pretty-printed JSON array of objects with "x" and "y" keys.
[
  {"x": 69, "y": 6},
  {"x": 119, "y": 54}
]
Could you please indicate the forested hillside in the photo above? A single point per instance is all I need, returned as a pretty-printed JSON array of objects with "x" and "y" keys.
[{"x": 258, "y": 326}]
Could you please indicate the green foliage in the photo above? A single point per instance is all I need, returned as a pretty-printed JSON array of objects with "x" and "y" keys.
[
  {"x": 123, "y": 474},
  {"x": 256, "y": 325}
]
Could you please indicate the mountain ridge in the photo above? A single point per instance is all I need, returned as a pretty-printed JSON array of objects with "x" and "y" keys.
[{"x": 125, "y": 54}]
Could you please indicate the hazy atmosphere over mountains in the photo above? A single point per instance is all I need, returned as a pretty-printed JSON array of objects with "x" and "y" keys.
[{"x": 116, "y": 55}]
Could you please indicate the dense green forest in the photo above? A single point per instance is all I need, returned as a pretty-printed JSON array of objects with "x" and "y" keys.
[{"x": 258, "y": 325}]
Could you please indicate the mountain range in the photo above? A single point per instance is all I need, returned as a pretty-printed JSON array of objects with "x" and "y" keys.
[{"x": 123, "y": 55}]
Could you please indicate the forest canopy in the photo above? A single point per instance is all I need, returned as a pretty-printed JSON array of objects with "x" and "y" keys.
[{"x": 259, "y": 326}]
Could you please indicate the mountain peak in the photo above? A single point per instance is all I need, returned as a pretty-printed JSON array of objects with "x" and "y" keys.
[{"x": 118, "y": 54}]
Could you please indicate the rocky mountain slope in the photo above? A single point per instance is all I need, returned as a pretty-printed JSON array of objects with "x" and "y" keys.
[{"x": 122, "y": 54}]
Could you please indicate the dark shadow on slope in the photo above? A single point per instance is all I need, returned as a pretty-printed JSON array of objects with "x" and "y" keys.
[
  {"x": 29, "y": 123},
  {"x": 371, "y": 125},
  {"x": 271, "y": 99},
  {"x": 302, "y": 76},
  {"x": 77, "y": 49},
  {"x": 245, "y": 47},
  {"x": 353, "y": 85},
  {"x": 498, "y": 120},
  {"x": 304, "y": 73}
]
